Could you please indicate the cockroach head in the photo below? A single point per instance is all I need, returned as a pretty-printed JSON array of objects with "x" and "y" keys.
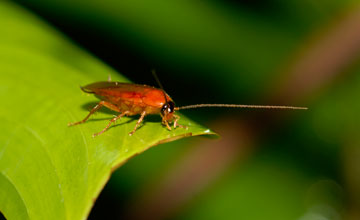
[{"x": 167, "y": 110}]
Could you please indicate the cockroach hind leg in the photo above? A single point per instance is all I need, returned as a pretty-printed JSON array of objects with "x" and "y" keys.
[{"x": 92, "y": 111}]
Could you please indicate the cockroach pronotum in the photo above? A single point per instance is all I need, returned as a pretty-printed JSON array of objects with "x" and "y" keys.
[{"x": 132, "y": 99}]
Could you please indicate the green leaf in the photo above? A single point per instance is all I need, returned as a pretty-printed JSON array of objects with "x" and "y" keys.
[{"x": 49, "y": 170}]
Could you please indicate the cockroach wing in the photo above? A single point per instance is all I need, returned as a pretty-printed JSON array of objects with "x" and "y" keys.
[{"x": 132, "y": 94}]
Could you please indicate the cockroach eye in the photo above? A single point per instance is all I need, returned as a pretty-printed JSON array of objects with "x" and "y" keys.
[
  {"x": 171, "y": 107},
  {"x": 168, "y": 108},
  {"x": 163, "y": 109}
]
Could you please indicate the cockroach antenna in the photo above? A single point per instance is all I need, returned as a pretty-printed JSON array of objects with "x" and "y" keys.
[
  {"x": 157, "y": 79},
  {"x": 240, "y": 106},
  {"x": 225, "y": 105},
  {"x": 158, "y": 82}
]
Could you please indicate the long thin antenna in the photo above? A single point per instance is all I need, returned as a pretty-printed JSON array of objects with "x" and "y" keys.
[
  {"x": 157, "y": 79},
  {"x": 240, "y": 106},
  {"x": 159, "y": 83}
]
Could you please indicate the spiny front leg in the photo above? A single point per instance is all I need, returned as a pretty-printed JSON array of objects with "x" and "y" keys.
[
  {"x": 93, "y": 110},
  {"x": 138, "y": 122},
  {"x": 166, "y": 123},
  {"x": 111, "y": 121},
  {"x": 176, "y": 124}
]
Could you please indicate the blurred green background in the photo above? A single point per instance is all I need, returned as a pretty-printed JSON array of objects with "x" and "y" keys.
[{"x": 269, "y": 164}]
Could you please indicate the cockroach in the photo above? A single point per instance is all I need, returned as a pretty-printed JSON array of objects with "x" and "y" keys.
[{"x": 133, "y": 99}]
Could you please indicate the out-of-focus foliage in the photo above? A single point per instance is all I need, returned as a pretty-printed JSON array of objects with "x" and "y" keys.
[{"x": 242, "y": 42}]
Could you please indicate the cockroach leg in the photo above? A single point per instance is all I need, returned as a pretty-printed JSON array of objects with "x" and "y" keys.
[
  {"x": 109, "y": 77},
  {"x": 166, "y": 123},
  {"x": 176, "y": 124},
  {"x": 111, "y": 106},
  {"x": 111, "y": 121},
  {"x": 176, "y": 120},
  {"x": 138, "y": 122},
  {"x": 93, "y": 110}
]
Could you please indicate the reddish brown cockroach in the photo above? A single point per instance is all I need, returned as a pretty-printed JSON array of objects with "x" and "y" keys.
[{"x": 133, "y": 99}]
